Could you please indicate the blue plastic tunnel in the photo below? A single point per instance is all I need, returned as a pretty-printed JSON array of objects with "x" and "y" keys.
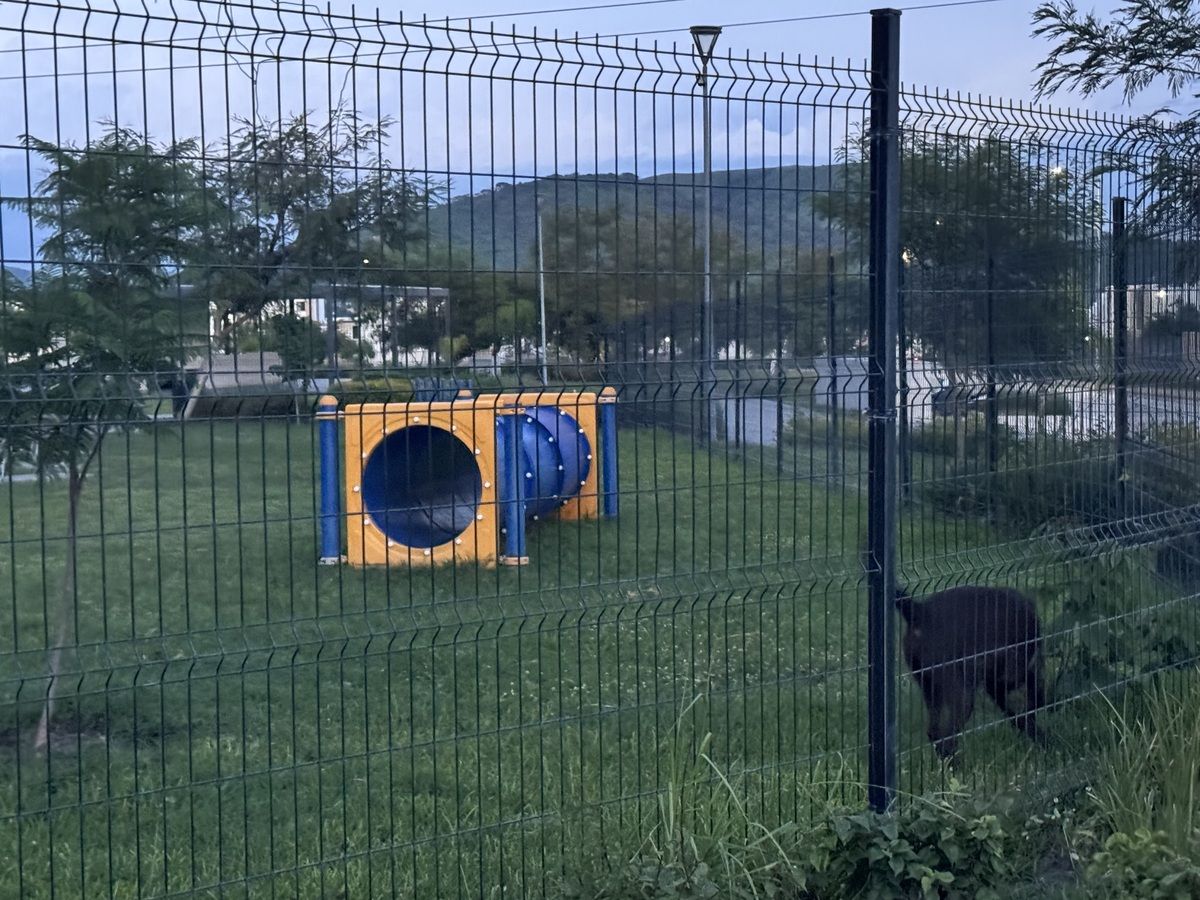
[
  {"x": 422, "y": 486},
  {"x": 544, "y": 458},
  {"x": 555, "y": 458}
]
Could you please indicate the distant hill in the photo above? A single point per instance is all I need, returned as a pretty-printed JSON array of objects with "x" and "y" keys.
[{"x": 762, "y": 209}]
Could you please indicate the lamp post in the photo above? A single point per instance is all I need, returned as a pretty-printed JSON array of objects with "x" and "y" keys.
[
  {"x": 541, "y": 265},
  {"x": 705, "y": 39}
]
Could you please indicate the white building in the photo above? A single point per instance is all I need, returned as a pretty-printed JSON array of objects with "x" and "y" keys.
[
  {"x": 374, "y": 314},
  {"x": 1144, "y": 303}
]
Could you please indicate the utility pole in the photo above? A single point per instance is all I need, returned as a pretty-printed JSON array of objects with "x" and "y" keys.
[{"x": 541, "y": 264}]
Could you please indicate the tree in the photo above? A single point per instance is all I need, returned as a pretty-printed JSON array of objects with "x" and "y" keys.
[
  {"x": 608, "y": 273},
  {"x": 512, "y": 320},
  {"x": 301, "y": 345},
  {"x": 983, "y": 216},
  {"x": 301, "y": 202},
  {"x": 1143, "y": 42},
  {"x": 78, "y": 343}
]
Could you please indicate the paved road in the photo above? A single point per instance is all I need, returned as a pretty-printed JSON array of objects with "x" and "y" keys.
[{"x": 1093, "y": 412}]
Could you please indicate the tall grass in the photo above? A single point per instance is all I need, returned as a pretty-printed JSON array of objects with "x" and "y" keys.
[
  {"x": 705, "y": 837},
  {"x": 1148, "y": 773}
]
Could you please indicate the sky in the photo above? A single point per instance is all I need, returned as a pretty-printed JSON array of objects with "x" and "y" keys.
[
  {"x": 475, "y": 120},
  {"x": 982, "y": 48}
]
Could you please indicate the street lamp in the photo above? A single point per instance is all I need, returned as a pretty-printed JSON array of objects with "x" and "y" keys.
[
  {"x": 705, "y": 39},
  {"x": 541, "y": 265}
]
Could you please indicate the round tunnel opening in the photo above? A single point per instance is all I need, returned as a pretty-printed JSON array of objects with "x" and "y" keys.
[{"x": 421, "y": 486}]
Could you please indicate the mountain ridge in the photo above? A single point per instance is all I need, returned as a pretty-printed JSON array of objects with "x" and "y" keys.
[{"x": 768, "y": 211}]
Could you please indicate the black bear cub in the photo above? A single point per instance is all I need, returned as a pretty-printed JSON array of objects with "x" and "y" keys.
[{"x": 959, "y": 639}]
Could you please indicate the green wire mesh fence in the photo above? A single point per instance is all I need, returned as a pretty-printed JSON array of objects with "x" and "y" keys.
[{"x": 596, "y": 323}]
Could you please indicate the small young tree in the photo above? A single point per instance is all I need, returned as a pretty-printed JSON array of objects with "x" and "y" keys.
[
  {"x": 301, "y": 345},
  {"x": 79, "y": 342}
]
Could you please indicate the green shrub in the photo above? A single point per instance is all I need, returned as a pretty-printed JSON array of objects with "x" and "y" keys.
[
  {"x": 1035, "y": 485},
  {"x": 1033, "y": 402},
  {"x": 939, "y": 437},
  {"x": 1107, "y": 623},
  {"x": 391, "y": 389},
  {"x": 1142, "y": 866},
  {"x": 927, "y": 850}
]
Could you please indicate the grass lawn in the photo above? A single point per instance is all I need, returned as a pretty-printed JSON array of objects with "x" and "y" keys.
[{"x": 238, "y": 721}]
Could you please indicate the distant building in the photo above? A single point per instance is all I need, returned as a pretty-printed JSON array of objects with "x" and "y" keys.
[
  {"x": 1144, "y": 304},
  {"x": 378, "y": 315},
  {"x": 843, "y": 381}
]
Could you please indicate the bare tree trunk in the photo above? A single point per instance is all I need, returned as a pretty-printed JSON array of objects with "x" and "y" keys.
[{"x": 64, "y": 611}]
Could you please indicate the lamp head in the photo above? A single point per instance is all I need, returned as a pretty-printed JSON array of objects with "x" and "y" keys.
[{"x": 705, "y": 39}]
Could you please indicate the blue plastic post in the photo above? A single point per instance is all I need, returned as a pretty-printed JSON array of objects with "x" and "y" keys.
[
  {"x": 331, "y": 526},
  {"x": 609, "y": 496},
  {"x": 512, "y": 487}
]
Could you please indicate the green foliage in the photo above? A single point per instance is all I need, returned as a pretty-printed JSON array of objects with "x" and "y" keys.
[
  {"x": 940, "y": 437},
  {"x": 81, "y": 342},
  {"x": 702, "y": 842},
  {"x": 496, "y": 226},
  {"x": 452, "y": 349},
  {"x": 300, "y": 343},
  {"x": 1111, "y": 623},
  {"x": 1147, "y": 777},
  {"x": 605, "y": 271},
  {"x": 1033, "y": 487},
  {"x": 302, "y": 201},
  {"x": 84, "y": 336},
  {"x": 390, "y": 389},
  {"x": 507, "y": 322},
  {"x": 1143, "y": 42},
  {"x": 929, "y": 849},
  {"x": 1143, "y": 865},
  {"x": 979, "y": 211}
]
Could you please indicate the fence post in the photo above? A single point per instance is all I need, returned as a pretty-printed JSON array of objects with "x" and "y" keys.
[
  {"x": 1120, "y": 341},
  {"x": 883, "y": 332},
  {"x": 903, "y": 447},
  {"x": 509, "y": 425},
  {"x": 737, "y": 378},
  {"x": 992, "y": 420},
  {"x": 832, "y": 443},
  {"x": 779, "y": 419},
  {"x": 331, "y": 520}
]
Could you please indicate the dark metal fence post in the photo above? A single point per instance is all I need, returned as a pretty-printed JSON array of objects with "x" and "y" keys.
[
  {"x": 903, "y": 444},
  {"x": 1120, "y": 341},
  {"x": 992, "y": 420},
  {"x": 883, "y": 333},
  {"x": 779, "y": 419},
  {"x": 738, "y": 406},
  {"x": 832, "y": 443},
  {"x": 331, "y": 521}
]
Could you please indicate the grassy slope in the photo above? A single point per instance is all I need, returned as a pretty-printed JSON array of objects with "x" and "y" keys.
[{"x": 238, "y": 711}]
